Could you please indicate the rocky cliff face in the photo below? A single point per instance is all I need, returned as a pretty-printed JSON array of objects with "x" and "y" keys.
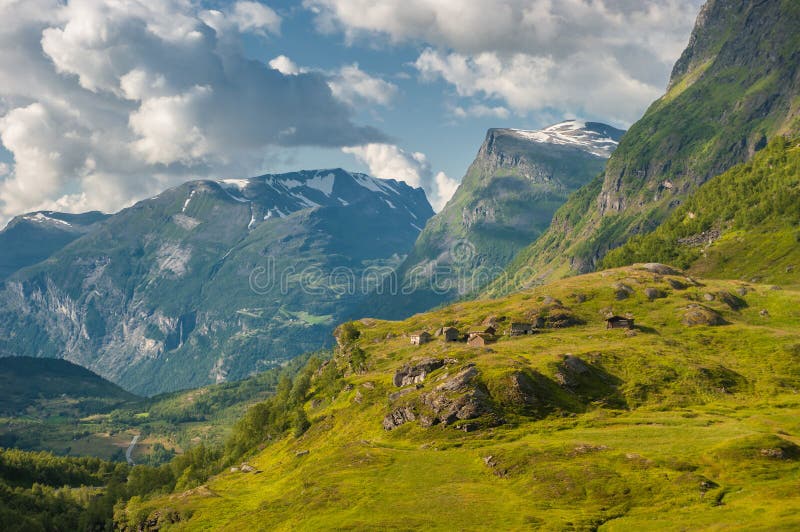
[
  {"x": 213, "y": 280},
  {"x": 505, "y": 201},
  {"x": 35, "y": 236},
  {"x": 735, "y": 87}
]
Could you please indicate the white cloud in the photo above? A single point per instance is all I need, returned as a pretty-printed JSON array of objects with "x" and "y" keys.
[
  {"x": 531, "y": 83},
  {"x": 255, "y": 16},
  {"x": 481, "y": 111},
  {"x": 285, "y": 66},
  {"x": 612, "y": 57},
  {"x": 349, "y": 84},
  {"x": 103, "y": 102},
  {"x": 388, "y": 161},
  {"x": 353, "y": 86}
]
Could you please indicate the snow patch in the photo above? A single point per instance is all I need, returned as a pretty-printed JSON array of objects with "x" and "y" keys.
[
  {"x": 186, "y": 203},
  {"x": 571, "y": 133},
  {"x": 373, "y": 184},
  {"x": 41, "y": 218},
  {"x": 240, "y": 184}
]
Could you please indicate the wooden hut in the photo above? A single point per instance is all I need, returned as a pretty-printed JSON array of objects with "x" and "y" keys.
[
  {"x": 450, "y": 334},
  {"x": 619, "y": 322},
  {"x": 480, "y": 340},
  {"x": 520, "y": 329},
  {"x": 420, "y": 337}
]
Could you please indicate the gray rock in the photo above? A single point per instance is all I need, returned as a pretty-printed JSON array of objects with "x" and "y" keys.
[
  {"x": 661, "y": 269},
  {"x": 415, "y": 373},
  {"x": 398, "y": 417},
  {"x": 653, "y": 293}
]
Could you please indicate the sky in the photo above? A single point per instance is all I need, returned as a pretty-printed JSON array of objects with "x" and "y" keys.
[{"x": 106, "y": 102}]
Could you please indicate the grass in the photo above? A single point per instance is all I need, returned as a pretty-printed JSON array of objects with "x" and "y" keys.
[{"x": 681, "y": 431}]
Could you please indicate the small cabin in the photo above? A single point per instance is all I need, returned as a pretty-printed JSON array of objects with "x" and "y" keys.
[
  {"x": 480, "y": 340},
  {"x": 488, "y": 331},
  {"x": 618, "y": 322},
  {"x": 450, "y": 334},
  {"x": 520, "y": 329},
  {"x": 421, "y": 337}
]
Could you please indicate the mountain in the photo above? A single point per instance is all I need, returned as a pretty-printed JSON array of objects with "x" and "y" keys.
[
  {"x": 690, "y": 414},
  {"x": 26, "y": 382},
  {"x": 742, "y": 224},
  {"x": 213, "y": 280},
  {"x": 735, "y": 87},
  {"x": 33, "y": 237},
  {"x": 505, "y": 201}
]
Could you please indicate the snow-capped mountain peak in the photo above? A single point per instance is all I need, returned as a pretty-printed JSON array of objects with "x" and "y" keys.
[{"x": 593, "y": 137}]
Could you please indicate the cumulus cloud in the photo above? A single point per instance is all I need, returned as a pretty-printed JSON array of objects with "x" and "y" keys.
[
  {"x": 285, "y": 66},
  {"x": 600, "y": 58},
  {"x": 105, "y": 101},
  {"x": 388, "y": 161},
  {"x": 352, "y": 85},
  {"x": 349, "y": 84}
]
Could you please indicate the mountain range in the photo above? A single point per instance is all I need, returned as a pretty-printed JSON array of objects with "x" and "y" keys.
[
  {"x": 210, "y": 280},
  {"x": 657, "y": 392}
]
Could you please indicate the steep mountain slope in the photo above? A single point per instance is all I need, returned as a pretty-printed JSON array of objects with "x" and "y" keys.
[
  {"x": 690, "y": 415},
  {"x": 743, "y": 224},
  {"x": 25, "y": 382},
  {"x": 736, "y": 86},
  {"x": 212, "y": 280},
  {"x": 33, "y": 237},
  {"x": 505, "y": 201}
]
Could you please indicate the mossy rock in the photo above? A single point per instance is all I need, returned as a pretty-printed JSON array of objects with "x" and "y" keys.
[{"x": 695, "y": 315}]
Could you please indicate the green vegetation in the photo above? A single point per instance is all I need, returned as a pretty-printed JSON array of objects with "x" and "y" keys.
[
  {"x": 577, "y": 427},
  {"x": 725, "y": 101},
  {"x": 53, "y": 405},
  {"x": 741, "y": 224}
]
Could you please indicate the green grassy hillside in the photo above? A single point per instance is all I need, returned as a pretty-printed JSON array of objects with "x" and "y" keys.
[
  {"x": 692, "y": 415},
  {"x": 735, "y": 87},
  {"x": 742, "y": 224}
]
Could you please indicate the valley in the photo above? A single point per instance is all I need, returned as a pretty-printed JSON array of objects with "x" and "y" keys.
[{"x": 598, "y": 330}]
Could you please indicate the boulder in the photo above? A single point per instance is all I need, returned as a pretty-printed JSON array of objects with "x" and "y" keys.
[
  {"x": 695, "y": 315},
  {"x": 709, "y": 297},
  {"x": 416, "y": 372},
  {"x": 247, "y": 468},
  {"x": 653, "y": 293},
  {"x": 622, "y": 291},
  {"x": 676, "y": 284},
  {"x": 661, "y": 269},
  {"x": 734, "y": 302}
]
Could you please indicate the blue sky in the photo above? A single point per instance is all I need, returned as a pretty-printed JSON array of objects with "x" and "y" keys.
[{"x": 104, "y": 102}]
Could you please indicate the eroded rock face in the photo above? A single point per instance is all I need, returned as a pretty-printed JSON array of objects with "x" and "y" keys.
[
  {"x": 398, "y": 417},
  {"x": 458, "y": 397},
  {"x": 416, "y": 372}
]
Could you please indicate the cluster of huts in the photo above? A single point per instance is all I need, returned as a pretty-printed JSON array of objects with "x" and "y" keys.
[{"x": 487, "y": 335}]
